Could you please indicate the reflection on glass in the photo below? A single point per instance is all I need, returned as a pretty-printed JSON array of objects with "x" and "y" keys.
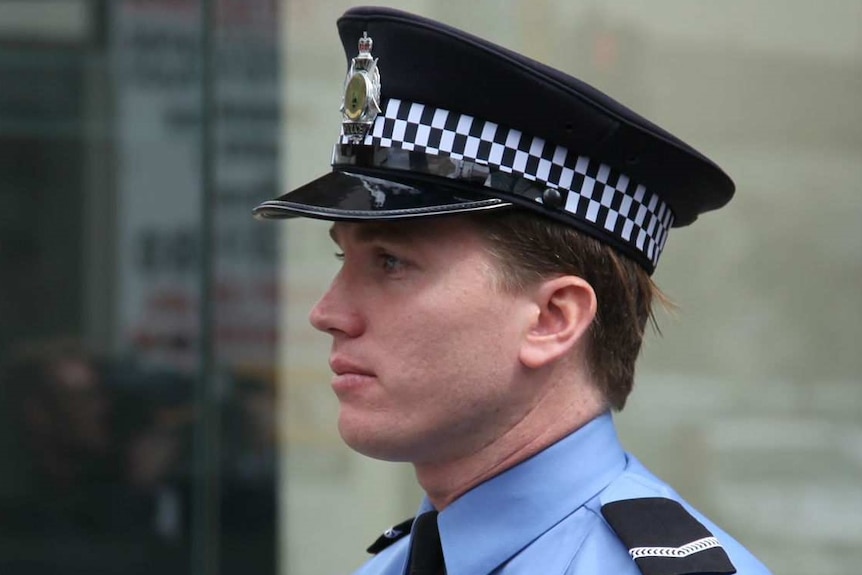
[
  {"x": 97, "y": 478},
  {"x": 101, "y": 325}
]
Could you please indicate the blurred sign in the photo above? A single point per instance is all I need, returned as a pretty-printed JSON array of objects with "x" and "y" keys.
[
  {"x": 159, "y": 97},
  {"x": 47, "y": 20}
]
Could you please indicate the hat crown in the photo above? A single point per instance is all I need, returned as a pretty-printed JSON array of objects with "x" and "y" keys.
[{"x": 467, "y": 124}]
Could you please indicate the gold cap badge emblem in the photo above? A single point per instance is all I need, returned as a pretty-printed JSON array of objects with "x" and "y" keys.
[{"x": 361, "y": 102}]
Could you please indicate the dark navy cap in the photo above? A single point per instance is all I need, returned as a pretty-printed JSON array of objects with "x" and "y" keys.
[{"x": 437, "y": 121}]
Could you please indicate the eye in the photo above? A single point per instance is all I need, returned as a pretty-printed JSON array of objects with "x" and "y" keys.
[
  {"x": 339, "y": 256},
  {"x": 390, "y": 263}
]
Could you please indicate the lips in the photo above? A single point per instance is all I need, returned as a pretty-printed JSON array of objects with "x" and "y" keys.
[
  {"x": 343, "y": 366},
  {"x": 350, "y": 377}
]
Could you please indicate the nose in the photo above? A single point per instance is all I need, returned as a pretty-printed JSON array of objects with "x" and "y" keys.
[{"x": 336, "y": 312}]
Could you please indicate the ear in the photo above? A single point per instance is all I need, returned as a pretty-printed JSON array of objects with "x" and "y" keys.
[{"x": 565, "y": 308}]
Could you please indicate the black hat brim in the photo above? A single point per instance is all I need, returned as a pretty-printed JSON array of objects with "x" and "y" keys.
[{"x": 355, "y": 196}]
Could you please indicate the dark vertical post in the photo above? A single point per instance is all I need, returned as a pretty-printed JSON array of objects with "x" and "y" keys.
[{"x": 205, "y": 522}]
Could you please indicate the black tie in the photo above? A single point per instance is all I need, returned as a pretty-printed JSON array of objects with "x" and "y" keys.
[{"x": 426, "y": 553}]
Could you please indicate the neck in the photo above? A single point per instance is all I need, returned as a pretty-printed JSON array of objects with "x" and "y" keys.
[{"x": 557, "y": 415}]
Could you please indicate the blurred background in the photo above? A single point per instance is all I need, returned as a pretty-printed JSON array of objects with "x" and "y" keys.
[{"x": 163, "y": 402}]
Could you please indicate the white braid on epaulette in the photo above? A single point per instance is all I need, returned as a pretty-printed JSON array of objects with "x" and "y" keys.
[{"x": 683, "y": 551}]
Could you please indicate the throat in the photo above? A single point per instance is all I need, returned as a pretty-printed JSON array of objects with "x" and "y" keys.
[
  {"x": 556, "y": 416},
  {"x": 445, "y": 482}
]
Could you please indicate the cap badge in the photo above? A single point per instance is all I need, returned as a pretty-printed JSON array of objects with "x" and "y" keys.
[{"x": 361, "y": 102}]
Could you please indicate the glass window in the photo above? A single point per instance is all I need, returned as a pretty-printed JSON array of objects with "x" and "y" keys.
[{"x": 139, "y": 298}]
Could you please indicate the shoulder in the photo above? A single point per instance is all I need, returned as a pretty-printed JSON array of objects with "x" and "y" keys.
[
  {"x": 662, "y": 537},
  {"x": 662, "y": 533}
]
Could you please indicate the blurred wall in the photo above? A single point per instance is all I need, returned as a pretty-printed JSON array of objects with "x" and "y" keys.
[{"x": 750, "y": 403}]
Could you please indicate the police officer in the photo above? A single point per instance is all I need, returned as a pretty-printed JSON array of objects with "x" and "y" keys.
[{"x": 498, "y": 222}]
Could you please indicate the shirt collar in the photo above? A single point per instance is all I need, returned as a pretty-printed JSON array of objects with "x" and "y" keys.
[{"x": 495, "y": 520}]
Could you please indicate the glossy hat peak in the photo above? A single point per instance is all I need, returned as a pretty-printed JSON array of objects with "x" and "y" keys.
[{"x": 438, "y": 121}]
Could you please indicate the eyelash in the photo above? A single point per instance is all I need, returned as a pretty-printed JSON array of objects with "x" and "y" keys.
[{"x": 388, "y": 261}]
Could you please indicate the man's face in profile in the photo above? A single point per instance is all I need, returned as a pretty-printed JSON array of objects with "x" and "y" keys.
[{"x": 424, "y": 344}]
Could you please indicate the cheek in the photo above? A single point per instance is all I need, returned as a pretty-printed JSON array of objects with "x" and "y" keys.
[
  {"x": 444, "y": 347},
  {"x": 445, "y": 369}
]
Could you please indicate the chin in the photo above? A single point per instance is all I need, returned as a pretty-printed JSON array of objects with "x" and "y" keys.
[{"x": 372, "y": 441}]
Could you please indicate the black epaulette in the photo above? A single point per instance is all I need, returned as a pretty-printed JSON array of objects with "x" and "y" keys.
[
  {"x": 390, "y": 536},
  {"x": 664, "y": 539}
]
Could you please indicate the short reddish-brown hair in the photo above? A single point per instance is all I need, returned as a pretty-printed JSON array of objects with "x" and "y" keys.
[{"x": 530, "y": 248}]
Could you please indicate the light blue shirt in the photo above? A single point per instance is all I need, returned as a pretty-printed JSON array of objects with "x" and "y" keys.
[{"x": 543, "y": 516}]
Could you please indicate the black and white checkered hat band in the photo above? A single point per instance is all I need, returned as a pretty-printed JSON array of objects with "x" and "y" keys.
[{"x": 592, "y": 191}]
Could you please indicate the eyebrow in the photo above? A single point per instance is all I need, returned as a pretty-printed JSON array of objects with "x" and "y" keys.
[{"x": 371, "y": 231}]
